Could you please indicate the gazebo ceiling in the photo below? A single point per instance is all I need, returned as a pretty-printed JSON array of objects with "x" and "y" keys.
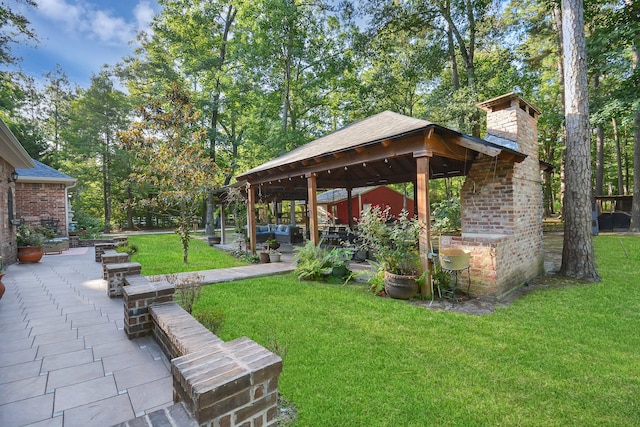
[{"x": 378, "y": 150}]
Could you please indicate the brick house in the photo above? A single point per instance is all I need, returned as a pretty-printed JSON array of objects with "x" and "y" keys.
[
  {"x": 42, "y": 197},
  {"x": 12, "y": 156}
]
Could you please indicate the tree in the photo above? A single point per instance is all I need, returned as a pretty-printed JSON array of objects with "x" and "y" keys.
[
  {"x": 167, "y": 141},
  {"x": 96, "y": 117},
  {"x": 13, "y": 26},
  {"x": 578, "y": 258}
]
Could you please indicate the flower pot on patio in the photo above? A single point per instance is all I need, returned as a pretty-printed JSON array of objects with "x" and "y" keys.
[
  {"x": 29, "y": 254},
  {"x": 264, "y": 257},
  {"x": 400, "y": 287},
  {"x": 274, "y": 256}
]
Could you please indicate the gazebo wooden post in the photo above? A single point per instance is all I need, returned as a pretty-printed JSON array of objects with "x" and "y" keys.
[
  {"x": 223, "y": 231},
  {"x": 314, "y": 235},
  {"x": 349, "y": 208},
  {"x": 424, "y": 216},
  {"x": 251, "y": 216}
]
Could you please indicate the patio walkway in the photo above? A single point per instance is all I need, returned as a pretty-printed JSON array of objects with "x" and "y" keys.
[{"x": 64, "y": 357}]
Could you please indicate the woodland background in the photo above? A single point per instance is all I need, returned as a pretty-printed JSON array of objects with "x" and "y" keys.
[{"x": 259, "y": 78}]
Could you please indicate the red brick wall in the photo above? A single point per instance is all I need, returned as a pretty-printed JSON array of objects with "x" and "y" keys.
[
  {"x": 8, "y": 249},
  {"x": 38, "y": 201}
]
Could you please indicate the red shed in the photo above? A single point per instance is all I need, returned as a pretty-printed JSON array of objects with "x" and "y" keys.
[{"x": 334, "y": 202}]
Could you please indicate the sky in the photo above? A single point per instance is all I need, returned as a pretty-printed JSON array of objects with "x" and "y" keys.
[{"x": 82, "y": 35}]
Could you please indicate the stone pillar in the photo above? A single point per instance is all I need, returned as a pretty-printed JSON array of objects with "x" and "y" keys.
[{"x": 116, "y": 274}]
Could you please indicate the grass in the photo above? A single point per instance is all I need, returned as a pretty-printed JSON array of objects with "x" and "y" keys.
[
  {"x": 567, "y": 355},
  {"x": 162, "y": 254}
]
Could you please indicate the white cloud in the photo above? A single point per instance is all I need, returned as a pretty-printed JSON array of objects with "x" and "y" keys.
[
  {"x": 110, "y": 28},
  {"x": 87, "y": 20},
  {"x": 61, "y": 12},
  {"x": 144, "y": 15}
]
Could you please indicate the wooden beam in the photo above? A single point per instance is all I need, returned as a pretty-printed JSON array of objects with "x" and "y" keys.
[
  {"x": 314, "y": 234},
  {"x": 422, "y": 184}
]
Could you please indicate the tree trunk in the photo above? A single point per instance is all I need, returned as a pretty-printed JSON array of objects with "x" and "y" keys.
[
  {"x": 455, "y": 78},
  {"x": 616, "y": 139},
  {"x": 635, "y": 208},
  {"x": 578, "y": 259},
  {"x": 557, "y": 18},
  {"x": 129, "y": 208},
  {"x": 599, "y": 160}
]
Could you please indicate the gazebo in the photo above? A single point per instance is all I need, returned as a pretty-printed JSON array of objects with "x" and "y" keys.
[{"x": 392, "y": 148}]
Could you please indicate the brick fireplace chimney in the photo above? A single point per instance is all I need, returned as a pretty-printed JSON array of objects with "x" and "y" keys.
[{"x": 502, "y": 202}]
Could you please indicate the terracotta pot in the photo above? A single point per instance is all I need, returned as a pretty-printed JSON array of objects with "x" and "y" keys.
[
  {"x": 28, "y": 254},
  {"x": 400, "y": 287},
  {"x": 2, "y": 288}
]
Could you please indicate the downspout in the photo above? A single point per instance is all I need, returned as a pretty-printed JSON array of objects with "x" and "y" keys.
[{"x": 66, "y": 207}]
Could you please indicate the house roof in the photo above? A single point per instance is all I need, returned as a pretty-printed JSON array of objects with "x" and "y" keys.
[
  {"x": 43, "y": 173},
  {"x": 11, "y": 150},
  {"x": 376, "y": 150}
]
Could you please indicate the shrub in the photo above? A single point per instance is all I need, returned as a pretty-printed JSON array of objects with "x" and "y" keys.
[
  {"x": 210, "y": 319},
  {"x": 446, "y": 215}
]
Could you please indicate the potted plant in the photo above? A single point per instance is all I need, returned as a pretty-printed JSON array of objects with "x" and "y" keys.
[
  {"x": 394, "y": 242},
  {"x": 264, "y": 257},
  {"x": 274, "y": 256},
  {"x": 29, "y": 240},
  {"x": 271, "y": 243},
  {"x": 339, "y": 258}
]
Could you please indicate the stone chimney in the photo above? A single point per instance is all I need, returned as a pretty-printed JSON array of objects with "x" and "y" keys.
[{"x": 502, "y": 202}]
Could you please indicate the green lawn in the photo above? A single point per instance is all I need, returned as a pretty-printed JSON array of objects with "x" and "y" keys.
[
  {"x": 568, "y": 355},
  {"x": 162, "y": 254}
]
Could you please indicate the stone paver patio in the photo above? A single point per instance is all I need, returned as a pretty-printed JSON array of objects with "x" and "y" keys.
[{"x": 64, "y": 357}]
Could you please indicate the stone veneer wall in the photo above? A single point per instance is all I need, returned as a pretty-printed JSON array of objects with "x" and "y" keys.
[
  {"x": 38, "y": 201},
  {"x": 502, "y": 207},
  {"x": 8, "y": 249}
]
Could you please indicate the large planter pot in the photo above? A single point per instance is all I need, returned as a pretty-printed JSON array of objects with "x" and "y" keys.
[
  {"x": 28, "y": 254},
  {"x": 2, "y": 288},
  {"x": 275, "y": 257},
  {"x": 264, "y": 257},
  {"x": 400, "y": 287}
]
